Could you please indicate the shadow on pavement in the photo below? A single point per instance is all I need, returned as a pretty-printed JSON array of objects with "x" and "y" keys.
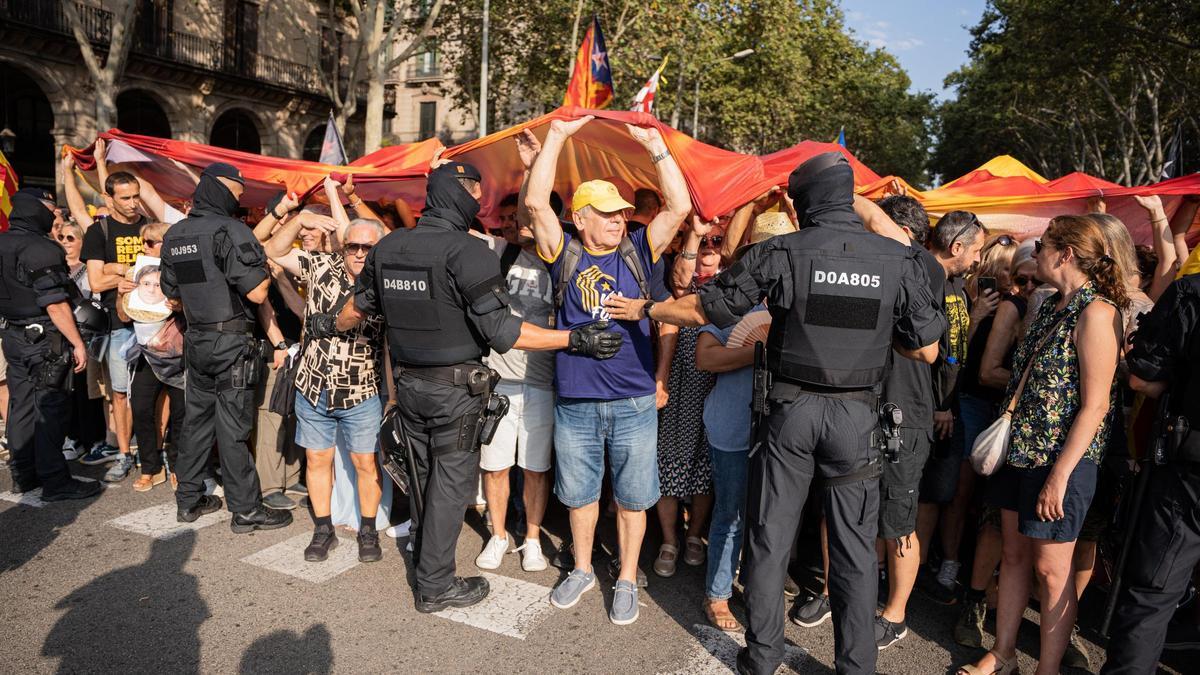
[
  {"x": 38, "y": 528},
  {"x": 142, "y": 618},
  {"x": 286, "y": 651}
]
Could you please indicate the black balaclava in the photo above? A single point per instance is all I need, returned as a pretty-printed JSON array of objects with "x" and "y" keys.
[
  {"x": 822, "y": 191},
  {"x": 213, "y": 198},
  {"x": 29, "y": 212},
  {"x": 446, "y": 199}
]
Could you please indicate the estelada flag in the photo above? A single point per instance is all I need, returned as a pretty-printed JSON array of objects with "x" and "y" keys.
[
  {"x": 644, "y": 101},
  {"x": 591, "y": 83},
  {"x": 8, "y": 185}
]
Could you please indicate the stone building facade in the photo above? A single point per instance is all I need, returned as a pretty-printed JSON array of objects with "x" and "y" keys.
[{"x": 242, "y": 74}]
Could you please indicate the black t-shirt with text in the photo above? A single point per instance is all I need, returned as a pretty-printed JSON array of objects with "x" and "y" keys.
[{"x": 123, "y": 245}]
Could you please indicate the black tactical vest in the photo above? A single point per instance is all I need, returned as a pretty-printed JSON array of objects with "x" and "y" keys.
[
  {"x": 424, "y": 311},
  {"x": 206, "y": 295},
  {"x": 1185, "y": 396},
  {"x": 838, "y": 331},
  {"x": 18, "y": 298}
]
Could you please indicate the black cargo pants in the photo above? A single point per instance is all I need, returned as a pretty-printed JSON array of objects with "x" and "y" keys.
[
  {"x": 37, "y": 415},
  {"x": 828, "y": 437}
]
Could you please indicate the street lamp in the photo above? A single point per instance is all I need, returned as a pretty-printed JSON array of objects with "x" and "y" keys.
[{"x": 700, "y": 74}]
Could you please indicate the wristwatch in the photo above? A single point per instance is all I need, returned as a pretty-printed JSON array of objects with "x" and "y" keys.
[
  {"x": 281, "y": 346},
  {"x": 647, "y": 307}
]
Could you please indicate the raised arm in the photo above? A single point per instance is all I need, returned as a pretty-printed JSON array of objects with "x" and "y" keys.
[
  {"x": 736, "y": 231},
  {"x": 100, "y": 154},
  {"x": 360, "y": 207},
  {"x": 1164, "y": 247},
  {"x": 662, "y": 228},
  {"x": 528, "y": 147},
  {"x": 685, "y": 263},
  {"x": 877, "y": 221},
  {"x": 288, "y": 203},
  {"x": 75, "y": 203},
  {"x": 335, "y": 203},
  {"x": 547, "y": 231},
  {"x": 992, "y": 372}
]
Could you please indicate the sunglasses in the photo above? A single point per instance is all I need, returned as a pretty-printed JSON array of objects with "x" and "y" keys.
[
  {"x": 357, "y": 249},
  {"x": 1038, "y": 246},
  {"x": 152, "y": 242},
  {"x": 67, "y": 237},
  {"x": 1005, "y": 240},
  {"x": 965, "y": 228},
  {"x": 714, "y": 241},
  {"x": 1022, "y": 280}
]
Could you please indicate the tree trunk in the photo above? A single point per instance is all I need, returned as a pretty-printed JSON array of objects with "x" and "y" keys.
[
  {"x": 106, "y": 104},
  {"x": 574, "y": 46},
  {"x": 373, "y": 133}
]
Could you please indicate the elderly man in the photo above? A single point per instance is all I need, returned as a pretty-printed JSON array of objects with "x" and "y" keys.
[{"x": 604, "y": 404}]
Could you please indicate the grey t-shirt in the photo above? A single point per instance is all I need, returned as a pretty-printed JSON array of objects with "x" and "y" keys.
[{"x": 532, "y": 297}]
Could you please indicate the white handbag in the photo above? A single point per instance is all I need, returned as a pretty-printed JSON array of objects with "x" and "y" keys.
[{"x": 991, "y": 445}]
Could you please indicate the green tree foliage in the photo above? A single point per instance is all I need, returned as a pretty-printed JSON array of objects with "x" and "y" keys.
[
  {"x": 807, "y": 78},
  {"x": 1092, "y": 85}
]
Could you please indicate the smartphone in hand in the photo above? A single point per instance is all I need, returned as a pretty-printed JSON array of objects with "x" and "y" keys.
[{"x": 986, "y": 285}]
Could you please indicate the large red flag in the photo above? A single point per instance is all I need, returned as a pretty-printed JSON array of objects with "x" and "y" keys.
[
  {"x": 8, "y": 185},
  {"x": 591, "y": 83}
]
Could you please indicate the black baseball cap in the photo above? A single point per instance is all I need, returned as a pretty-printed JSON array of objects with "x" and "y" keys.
[
  {"x": 223, "y": 170},
  {"x": 462, "y": 170}
]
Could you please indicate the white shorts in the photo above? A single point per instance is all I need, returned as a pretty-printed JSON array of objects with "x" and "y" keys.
[{"x": 526, "y": 434}]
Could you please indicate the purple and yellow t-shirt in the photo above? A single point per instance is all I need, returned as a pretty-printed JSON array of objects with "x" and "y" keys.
[{"x": 600, "y": 274}]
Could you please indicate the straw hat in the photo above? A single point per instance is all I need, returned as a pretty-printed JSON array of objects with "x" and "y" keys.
[{"x": 766, "y": 225}]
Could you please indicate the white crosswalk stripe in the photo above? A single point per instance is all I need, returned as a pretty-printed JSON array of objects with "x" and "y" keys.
[
  {"x": 715, "y": 653},
  {"x": 287, "y": 557},
  {"x": 34, "y": 497},
  {"x": 513, "y": 608},
  {"x": 159, "y": 521}
]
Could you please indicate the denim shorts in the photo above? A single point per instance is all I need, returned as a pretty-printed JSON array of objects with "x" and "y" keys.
[
  {"x": 116, "y": 368},
  {"x": 356, "y": 428},
  {"x": 1017, "y": 489},
  {"x": 628, "y": 428}
]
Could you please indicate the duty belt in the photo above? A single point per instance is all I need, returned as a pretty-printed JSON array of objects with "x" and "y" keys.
[
  {"x": 43, "y": 321},
  {"x": 471, "y": 375},
  {"x": 238, "y": 326},
  {"x": 782, "y": 390}
]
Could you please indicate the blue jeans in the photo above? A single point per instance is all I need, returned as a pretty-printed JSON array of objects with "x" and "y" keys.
[
  {"x": 583, "y": 427},
  {"x": 357, "y": 427},
  {"x": 728, "y": 520}
]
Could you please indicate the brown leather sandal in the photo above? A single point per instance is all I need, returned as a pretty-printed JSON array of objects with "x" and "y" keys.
[
  {"x": 722, "y": 619},
  {"x": 1002, "y": 667}
]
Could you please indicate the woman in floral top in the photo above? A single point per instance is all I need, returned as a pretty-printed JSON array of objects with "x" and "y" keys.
[{"x": 1059, "y": 432}]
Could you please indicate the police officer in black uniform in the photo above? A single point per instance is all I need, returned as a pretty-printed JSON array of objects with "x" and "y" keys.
[
  {"x": 840, "y": 299},
  {"x": 43, "y": 348},
  {"x": 215, "y": 268},
  {"x": 445, "y": 303},
  {"x": 1164, "y": 360}
]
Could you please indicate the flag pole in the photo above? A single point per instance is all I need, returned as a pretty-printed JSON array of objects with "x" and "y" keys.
[{"x": 483, "y": 75}]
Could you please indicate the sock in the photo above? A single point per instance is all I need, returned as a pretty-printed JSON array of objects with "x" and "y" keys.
[
  {"x": 973, "y": 596},
  {"x": 367, "y": 523},
  {"x": 323, "y": 522}
]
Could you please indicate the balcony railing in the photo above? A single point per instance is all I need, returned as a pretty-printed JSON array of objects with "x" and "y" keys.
[
  {"x": 422, "y": 71},
  {"x": 174, "y": 46}
]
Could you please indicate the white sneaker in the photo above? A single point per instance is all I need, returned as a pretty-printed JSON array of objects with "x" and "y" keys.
[
  {"x": 70, "y": 451},
  {"x": 532, "y": 559},
  {"x": 492, "y": 554},
  {"x": 399, "y": 531}
]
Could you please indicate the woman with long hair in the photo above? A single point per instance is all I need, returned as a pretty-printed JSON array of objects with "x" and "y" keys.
[{"x": 1060, "y": 429}]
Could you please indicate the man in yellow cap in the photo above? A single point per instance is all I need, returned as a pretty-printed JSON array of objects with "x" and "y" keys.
[{"x": 604, "y": 403}]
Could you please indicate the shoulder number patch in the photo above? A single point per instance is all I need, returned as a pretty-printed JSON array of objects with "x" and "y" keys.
[{"x": 406, "y": 282}]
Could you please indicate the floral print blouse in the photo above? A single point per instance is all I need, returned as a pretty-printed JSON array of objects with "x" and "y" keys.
[{"x": 1052, "y": 397}]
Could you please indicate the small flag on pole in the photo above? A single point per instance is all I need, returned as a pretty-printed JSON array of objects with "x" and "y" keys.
[
  {"x": 841, "y": 139},
  {"x": 644, "y": 101},
  {"x": 332, "y": 150},
  {"x": 591, "y": 83}
]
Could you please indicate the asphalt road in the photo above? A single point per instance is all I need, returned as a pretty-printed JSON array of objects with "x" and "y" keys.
[{"x": 110, "y": 585}]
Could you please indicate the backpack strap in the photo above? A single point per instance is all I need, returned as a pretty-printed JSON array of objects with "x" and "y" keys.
[
  {"x": 634, "y": 262},
  {"x": 572, "y": 254},
  {"x": 511, "y": 251}
]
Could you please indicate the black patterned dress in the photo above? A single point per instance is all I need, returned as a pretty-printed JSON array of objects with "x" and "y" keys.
[{"x": 683, "y": 464}]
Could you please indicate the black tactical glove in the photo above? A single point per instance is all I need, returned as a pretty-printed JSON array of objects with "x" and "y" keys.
[
  {"x": 319, "y": 326},
  {"x": 593, "y": 340}
]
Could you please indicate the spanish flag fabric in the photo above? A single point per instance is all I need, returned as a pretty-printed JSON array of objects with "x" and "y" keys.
[
  {"x": 591, "y": 84},
  {"x": 8, "y": 185}
]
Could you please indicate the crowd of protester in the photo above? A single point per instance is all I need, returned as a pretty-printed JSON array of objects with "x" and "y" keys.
[{"x": 1065, "y": 305}]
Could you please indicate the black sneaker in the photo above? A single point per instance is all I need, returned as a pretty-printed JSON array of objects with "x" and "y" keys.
[
  {"x": 614, "y": 571},
  {"x": 368, "y": 545},
  {"x": 72, "y": 489},
  {"x": 298, "y": 489},
  {"x": 968, "y": 630},
  {"x": 462, "y": 593},
  {"x": 206, "y": 504},
  {"x": 813, "y": 612},
  {"x": 261, "y": 518},
  {"x": 1182, "y": 635},
  {"x": 323, "y": 541},
  {"x": 790, "y": 588},
  {"x": 888, "y": 633},
  {"x": 280, "y": 501},
  {"x": 937, "y": 591}
]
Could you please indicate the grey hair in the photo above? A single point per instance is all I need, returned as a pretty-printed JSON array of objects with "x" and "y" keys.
[
  {"x": 949, "y": 228},
  {"x": 362, "y": 222}
]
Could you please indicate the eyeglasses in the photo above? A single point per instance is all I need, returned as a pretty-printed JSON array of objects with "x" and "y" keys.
[
  {"x": 152, "y": 242},
  {"x": 67, "y": 238},
  {"x": 356, "y": 249},
  {"x": 714, "y": 241},
  {"x": 1022, "y": 280}
]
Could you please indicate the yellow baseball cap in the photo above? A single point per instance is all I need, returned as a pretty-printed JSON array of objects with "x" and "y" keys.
[{"x": 600, "y": 195}]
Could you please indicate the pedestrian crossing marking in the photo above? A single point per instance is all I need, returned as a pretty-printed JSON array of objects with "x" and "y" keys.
[
  {"x": 160, "y": 522},
  {"x": 34, "y": 497},
  {"x": 513, "y": 608},
  {"x": 715, "y": 653},
  {"x": 287, "y": 557}
]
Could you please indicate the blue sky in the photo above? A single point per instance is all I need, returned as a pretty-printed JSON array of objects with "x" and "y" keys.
[{"x": 929, "y": 38}]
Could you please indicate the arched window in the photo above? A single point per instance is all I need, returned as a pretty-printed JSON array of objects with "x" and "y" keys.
[
  {"x": 235, "y": 129},
  {"x": 313, "y": 143},
  {"x": 139, "y": 113},
  {"x": 26, "y": 119}
]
